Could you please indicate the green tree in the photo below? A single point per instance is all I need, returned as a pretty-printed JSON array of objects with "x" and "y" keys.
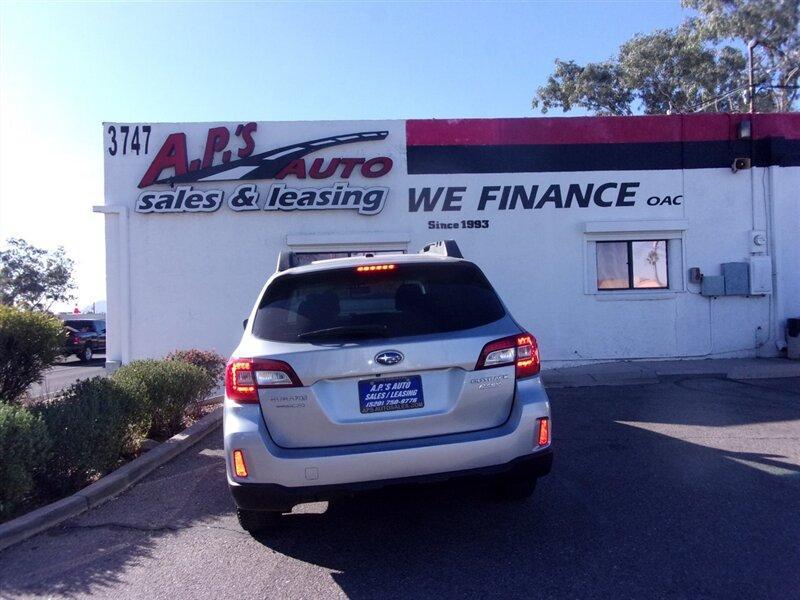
[
  {"x": 775, "y": 24},
  {"x": 699, "y": 66},
  {"x": 34, "y": 278},
  {"x": 29, "y": 342}
]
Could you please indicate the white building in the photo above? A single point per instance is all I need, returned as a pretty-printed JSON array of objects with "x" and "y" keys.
[{"x": 590, "y": 228}]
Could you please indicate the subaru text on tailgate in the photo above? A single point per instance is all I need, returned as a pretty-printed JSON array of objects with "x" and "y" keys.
[{"x": 363, "y": 372}]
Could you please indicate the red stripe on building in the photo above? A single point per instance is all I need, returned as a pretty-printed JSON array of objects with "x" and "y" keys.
[
  {"x": 597, "y": 130},
  {"x": 785, "y": 125}
]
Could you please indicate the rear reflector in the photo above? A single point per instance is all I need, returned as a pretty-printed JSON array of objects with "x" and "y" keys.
[
  {"x": 520, "y": 350},
  {"x": 244, "y": 376},
  {"x": 239, "y": 466},
  {"x": 372, "y": 268},
  {"x": 544, "y": 432}
]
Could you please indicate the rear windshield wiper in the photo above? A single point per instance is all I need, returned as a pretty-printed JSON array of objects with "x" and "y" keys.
[{"x": 346, "y": 330}]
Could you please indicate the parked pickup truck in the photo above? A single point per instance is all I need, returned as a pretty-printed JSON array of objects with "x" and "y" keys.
[{"x": 84, "y": 337}]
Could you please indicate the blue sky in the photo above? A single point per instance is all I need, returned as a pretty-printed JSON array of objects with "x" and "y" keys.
[{"x": 66, "y": 68}]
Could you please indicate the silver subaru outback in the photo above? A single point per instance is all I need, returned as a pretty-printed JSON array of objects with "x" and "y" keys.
[{"x": 366, "y": 372}]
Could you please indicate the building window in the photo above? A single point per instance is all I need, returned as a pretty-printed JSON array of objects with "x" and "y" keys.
[
  {"x": 632, "y": 264},
  {"x": 306, "y": 258}
]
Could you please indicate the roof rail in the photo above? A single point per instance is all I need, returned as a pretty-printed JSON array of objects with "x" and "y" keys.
[
  {"x": 286, "y": 260},
  {"x": 444, "y": 248}
]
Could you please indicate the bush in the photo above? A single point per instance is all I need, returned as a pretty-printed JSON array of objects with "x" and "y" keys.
[
  {"x": 29, "y": 342},
  {"x": 92, "y": 425},
  {"x": 211, "y": 362},
  {"x": 171, "y": 388},
  {"x": 24, "y": 447}
]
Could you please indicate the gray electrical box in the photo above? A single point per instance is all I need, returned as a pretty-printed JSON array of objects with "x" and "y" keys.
[
  {"x": 737, "y": 278},
  {"x": 713, "y": 285},
  {"x": 760, "y": 275}
]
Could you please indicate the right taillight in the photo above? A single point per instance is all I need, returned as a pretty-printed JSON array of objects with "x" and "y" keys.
[
  {"x": 520, "y": 350},
  {"x": 244, "y": 376}
]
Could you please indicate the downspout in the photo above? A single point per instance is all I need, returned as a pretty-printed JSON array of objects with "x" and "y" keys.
[
  {"x": 123, "y": 281},
  {"x": 773, "y": 243}
]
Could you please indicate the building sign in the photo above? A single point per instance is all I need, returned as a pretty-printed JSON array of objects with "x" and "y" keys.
[
  {"x": 475, "y": 168},
  {"x": 228, "y": 155}
]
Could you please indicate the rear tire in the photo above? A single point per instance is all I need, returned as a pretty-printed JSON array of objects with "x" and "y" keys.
[
  {"x": 86, "y": 354},
  {"x": 256, "y": 521},
  {"x": 515, "y": 487}
]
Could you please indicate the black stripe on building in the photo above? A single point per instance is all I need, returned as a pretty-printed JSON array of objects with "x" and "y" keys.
[{"x": 543, "y": 158}]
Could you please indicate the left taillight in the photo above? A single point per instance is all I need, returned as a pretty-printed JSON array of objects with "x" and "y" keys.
[
  {"x": 521, "y": 350},
  {"x": 239, "y": 464},
  {"x": 244, "y": 376}
]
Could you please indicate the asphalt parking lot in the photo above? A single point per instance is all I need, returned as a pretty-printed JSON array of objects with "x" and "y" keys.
[
  {"x": 687, "y": 488},
  {"x": 66, "y": 372}
]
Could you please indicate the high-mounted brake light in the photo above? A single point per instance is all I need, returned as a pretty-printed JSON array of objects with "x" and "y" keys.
[
  {"x": 243, "y": 377},
  {"x": 373, "y": 268},
  {"x": 520, "y": 350}
]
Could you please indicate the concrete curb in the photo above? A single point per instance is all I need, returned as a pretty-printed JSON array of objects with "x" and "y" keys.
[
  {"x": 646, "y": 373},
  {"x": 107, "y": 487}
]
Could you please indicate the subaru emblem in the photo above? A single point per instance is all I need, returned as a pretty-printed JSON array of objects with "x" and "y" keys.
[{"x": 388, "y": 357}]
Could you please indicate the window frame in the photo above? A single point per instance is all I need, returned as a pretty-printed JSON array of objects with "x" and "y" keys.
[
  {"x": 629, "y": 251},
  {"x": 675, "y": 231}
]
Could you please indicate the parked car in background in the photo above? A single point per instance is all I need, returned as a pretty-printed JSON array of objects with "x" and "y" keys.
[
  {"x": 84, "y": 337},
  {"x": 370, "y": 371}
]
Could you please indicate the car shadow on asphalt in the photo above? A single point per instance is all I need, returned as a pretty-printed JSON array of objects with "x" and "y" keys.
[{"x": 655, "y": 492}]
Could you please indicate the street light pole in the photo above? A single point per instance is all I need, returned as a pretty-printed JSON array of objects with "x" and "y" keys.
[{"x": 750, "y": 46}]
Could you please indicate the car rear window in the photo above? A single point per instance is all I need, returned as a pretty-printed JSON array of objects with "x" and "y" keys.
[
  {"x": 80, "y": 325},
  {"x": 345, "y": 304}
]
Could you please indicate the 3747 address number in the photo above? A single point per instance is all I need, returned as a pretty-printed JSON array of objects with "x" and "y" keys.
[{"x": 128, "y": 140}]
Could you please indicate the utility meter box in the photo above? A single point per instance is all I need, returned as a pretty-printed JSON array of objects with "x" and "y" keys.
[
  {"x": 736, "y": 278},
  {"x": 760, "y": 275}
]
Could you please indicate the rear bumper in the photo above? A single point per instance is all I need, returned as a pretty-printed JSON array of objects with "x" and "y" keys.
[
  {"x": 270, "y": 496},
  {"x": 280, "y": 477}
]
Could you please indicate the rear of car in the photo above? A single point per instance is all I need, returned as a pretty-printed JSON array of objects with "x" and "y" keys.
[{"x": 360, "y": 373}]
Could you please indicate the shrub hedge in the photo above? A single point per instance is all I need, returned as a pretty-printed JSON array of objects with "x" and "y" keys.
[
  {"x": 61, "y": 445},
  {"x": 171, "y": 388},
  {"x": 92, "y": 425},
  {"x": 29, "y": 342},
  {"x": 24, "y": 448},
  {"x": 211, "y": 362}
]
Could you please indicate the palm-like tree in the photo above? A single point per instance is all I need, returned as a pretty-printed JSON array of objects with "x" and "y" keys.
[{"x": 653, "y": 257}]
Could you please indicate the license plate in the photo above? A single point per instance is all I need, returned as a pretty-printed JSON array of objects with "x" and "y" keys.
[{"x": 385, "y": 394}]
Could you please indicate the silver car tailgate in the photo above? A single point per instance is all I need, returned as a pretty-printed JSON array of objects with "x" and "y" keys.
[{"x": 327, "y": 411}]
